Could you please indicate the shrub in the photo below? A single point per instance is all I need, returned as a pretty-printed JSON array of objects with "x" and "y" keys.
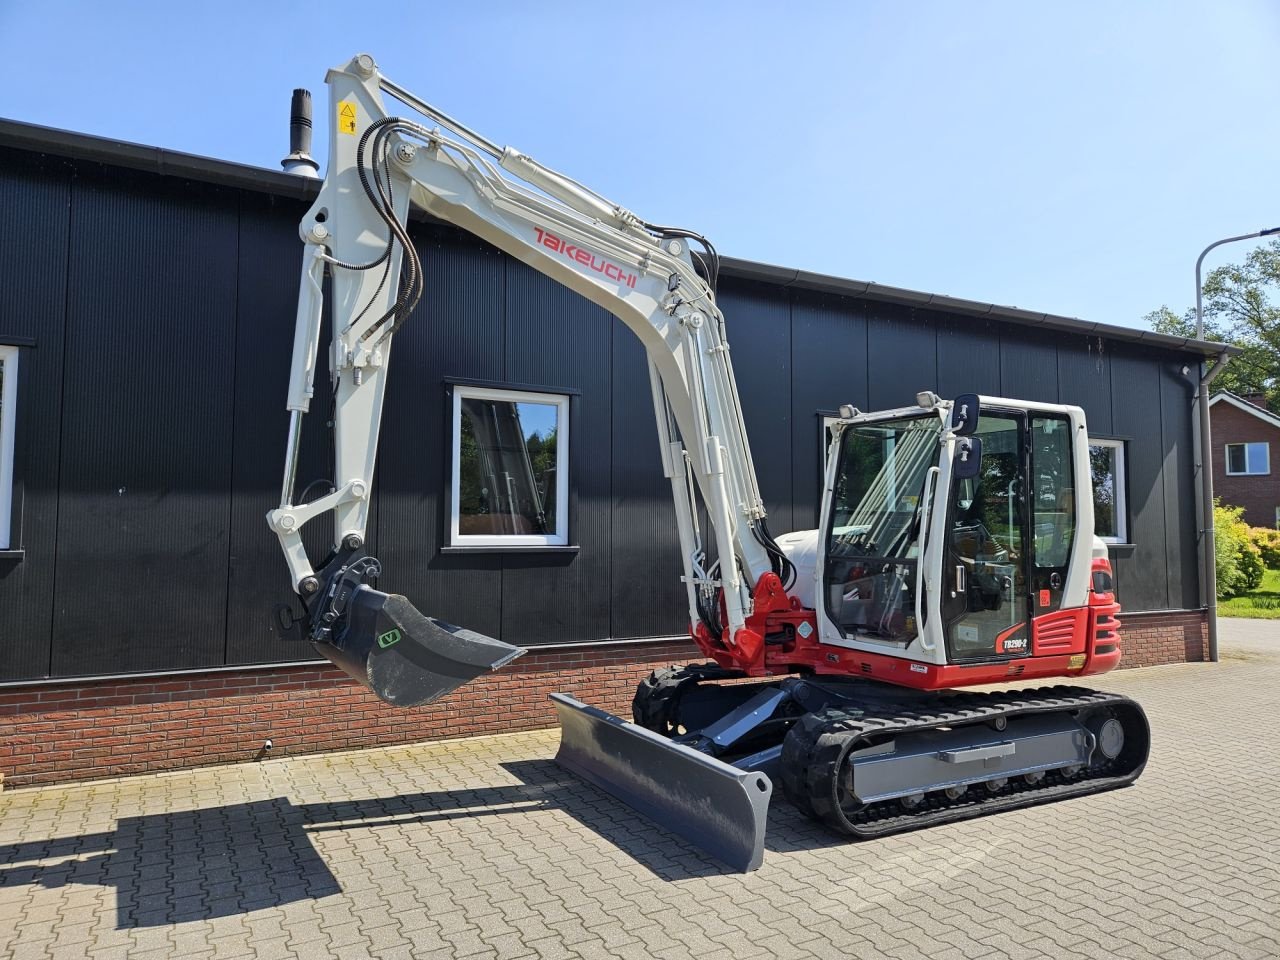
[
  {"x": 1237, "y": 560},
  {"x": 1225, "y": 552},
  {"x": 1268, "y": 543},
  {"x": 1251, "y": 566}
]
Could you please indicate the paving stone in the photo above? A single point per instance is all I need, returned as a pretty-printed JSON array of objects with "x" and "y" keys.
[{"x": 484, "y": 848}]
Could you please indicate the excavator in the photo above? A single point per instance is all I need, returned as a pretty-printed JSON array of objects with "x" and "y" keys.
[{"x": 955, "y": 548}]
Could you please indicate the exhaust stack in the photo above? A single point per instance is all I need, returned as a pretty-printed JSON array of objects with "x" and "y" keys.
[{"x": 299, "y": 160}]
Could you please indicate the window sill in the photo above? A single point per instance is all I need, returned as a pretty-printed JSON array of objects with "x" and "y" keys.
[
  {"x": 499, "y": 548},
  {"x": 12, "y": 556},
  {"x": 1262, "y": 473},
  {"x": 1117, "y": 543}
]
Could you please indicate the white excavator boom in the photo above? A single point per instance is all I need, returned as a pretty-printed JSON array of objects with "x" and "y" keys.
[{"x": 641, "y": 273}]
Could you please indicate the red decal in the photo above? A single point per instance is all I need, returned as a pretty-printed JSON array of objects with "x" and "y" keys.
[
  {"x": 584, "y": 257},
  {"x": 1044, "y": 598}
]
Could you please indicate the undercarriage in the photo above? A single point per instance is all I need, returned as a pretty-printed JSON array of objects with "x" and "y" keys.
[{"x": 863, "y": 758}]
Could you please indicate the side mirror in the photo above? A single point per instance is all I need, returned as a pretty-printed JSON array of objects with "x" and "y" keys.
[
  {"x": 967, "y": 463},
  {"x": 964, "y": 414}
]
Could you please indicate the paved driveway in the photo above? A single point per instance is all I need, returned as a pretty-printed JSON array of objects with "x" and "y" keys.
[{"x": 484, "y": 848}]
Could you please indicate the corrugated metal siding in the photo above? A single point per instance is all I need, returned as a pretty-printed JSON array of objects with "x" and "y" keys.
[
  {"x": 647, "y": 598},
  {"x": 1084, "y": 375},
  {"x": 266, "y": 302},
  {"x": 1178, "y": 444},
  {"x": 178, "y": 305},
  {"x": 829, "y": 353},
  {"x": 1135, "y": 409},
  {"x": 1028, "y": 368},
  {"x": 968, "y": 355},
  {"x": 758, "y": 325},
  {"x": 902, "y": 355},
  {"x": 34, "y": 220},
  {"x": 144, "y": 488}
]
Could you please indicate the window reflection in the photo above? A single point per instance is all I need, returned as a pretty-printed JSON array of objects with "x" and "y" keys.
[{"x": 507, "y": 468}]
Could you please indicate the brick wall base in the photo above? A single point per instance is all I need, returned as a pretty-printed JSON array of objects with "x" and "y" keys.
[
  {"x": 1150, "y": 639},
  {"x": 105, "y": 728}
]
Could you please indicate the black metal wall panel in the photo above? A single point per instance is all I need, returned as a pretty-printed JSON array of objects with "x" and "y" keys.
[
  {"x": 902, "y": 355},
  {"x": 554, "y": 337},
  {"x": 829, "y": 368},
  {"x": 758, "y": 321},
  {"x": 455, "y": 332},
  {"x": 145, "y": 483},
  {"x": 1177, "y": 391},
  {"x": 1028, "y": 367},
  {"x": 170, "y": 395},
  {"x": 34, "y": 218},
  {"x": 1135, "y": 391},
  {"x": 648, "y": 599},
  {"x": 267, "y": 303},
  {"x": 968, "y": 360},
  {"x": 1084, "y": 379}
]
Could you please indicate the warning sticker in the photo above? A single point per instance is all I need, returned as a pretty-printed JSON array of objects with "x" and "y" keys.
[
  {"x": 1076, "y": 662},
  {"x": 346, "y": 117}
]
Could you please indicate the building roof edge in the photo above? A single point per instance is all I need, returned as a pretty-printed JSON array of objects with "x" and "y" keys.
[{"x": 19, "y": 135}]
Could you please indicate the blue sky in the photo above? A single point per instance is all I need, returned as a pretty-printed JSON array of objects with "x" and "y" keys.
[{"x": 1073, "y": 158}]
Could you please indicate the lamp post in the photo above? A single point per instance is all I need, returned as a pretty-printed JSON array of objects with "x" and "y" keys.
[
  {"x": 1208, "y": 564},
  {"x": 1200, "y": 263}
]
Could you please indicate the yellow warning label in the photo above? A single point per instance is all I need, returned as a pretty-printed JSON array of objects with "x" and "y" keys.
[
  {"x": 1076, "y": 662},
  {"x": 346, "y": 117}
]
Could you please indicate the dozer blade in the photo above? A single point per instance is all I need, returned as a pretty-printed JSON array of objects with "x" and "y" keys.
[
  {"x": 408, "y": 659},
  {"x": 713, "y": 805}
]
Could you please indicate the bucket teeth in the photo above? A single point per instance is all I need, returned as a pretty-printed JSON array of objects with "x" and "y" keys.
[{"x": 712, "y": 805}]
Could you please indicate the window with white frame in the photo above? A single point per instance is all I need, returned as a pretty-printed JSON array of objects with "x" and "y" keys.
[
  {"x": 8, "y": 426},
  {"x": 1110, "y": 511},
  {"x": 1245, "y": 459},
  {"x": 510, "y": 483}
]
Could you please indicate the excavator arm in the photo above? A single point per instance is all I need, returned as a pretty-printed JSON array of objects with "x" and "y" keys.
[
  {"x": 642, "y": 273},
  {"x": 848, "y": 658}
]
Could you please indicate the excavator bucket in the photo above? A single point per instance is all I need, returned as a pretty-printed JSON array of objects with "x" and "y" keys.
[
  {"x": 713, "y": 805},
  {"x": 406, "y": 658}
]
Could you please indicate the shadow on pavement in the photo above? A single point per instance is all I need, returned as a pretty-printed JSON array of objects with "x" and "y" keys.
[
  {"x": 219, "y": 861},
  {"x": 192, "y": 865}
]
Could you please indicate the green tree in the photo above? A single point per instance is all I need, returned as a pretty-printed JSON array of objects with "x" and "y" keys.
[{"x": 1240, "y": 308}]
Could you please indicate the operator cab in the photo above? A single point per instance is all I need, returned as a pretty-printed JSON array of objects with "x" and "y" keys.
[{"x": 945, "y": 541}]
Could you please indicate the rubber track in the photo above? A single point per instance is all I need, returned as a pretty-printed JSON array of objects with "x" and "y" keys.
[{"x": 817, "y": 745}]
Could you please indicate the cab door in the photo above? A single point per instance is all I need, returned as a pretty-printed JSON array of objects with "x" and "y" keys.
[
  {"x": 1053, "y": 507},
  {"x": 984, "y": 586}
]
